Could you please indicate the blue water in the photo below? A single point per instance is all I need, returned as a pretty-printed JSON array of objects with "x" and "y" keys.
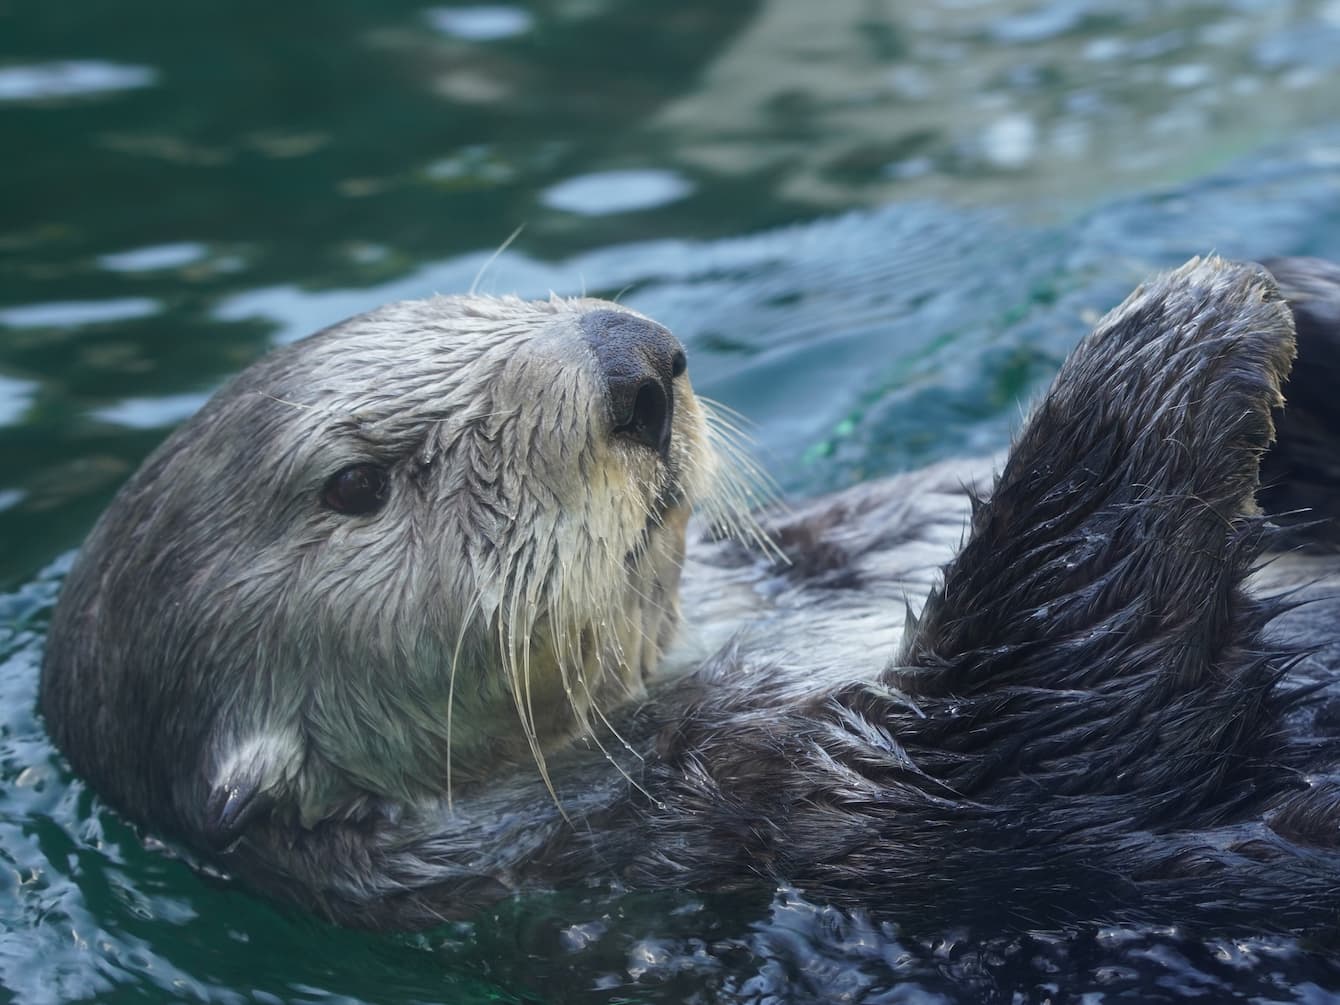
[{"x": 877, "y": 227}]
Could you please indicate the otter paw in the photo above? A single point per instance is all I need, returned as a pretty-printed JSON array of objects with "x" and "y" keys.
[{"x": 1124, "y": 520}]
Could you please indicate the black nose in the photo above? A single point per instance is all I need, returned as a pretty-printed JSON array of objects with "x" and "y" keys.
[{"x": 640, "y": 361}]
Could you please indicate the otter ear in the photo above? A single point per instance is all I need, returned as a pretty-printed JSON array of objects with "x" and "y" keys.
[
  {"x": 247, "y": 784},
  {"x": 1097, "y": 604}
]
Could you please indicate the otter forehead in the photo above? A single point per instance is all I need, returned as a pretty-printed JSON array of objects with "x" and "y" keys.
[
  {"x": 411, "y": 376},
  {"x": 437, "y": 334},
  {"x": 423, "y": 356}
]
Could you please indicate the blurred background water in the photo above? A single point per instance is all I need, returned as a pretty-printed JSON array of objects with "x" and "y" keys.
[{"x": 877, "y": 226}]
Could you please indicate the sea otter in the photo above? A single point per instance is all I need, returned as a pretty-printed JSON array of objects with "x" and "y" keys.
[{"x": 411, "y": 617}]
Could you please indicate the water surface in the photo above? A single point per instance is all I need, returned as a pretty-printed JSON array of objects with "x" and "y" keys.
[{"x": 878, "y": 227}]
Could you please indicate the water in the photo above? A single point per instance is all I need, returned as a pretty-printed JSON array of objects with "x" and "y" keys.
[{"x": 877, "y": 227}]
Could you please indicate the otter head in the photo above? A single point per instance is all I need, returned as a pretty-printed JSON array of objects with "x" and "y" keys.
[{"x": 411, "y": 551}]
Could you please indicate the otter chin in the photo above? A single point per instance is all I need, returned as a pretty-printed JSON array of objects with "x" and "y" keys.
[{"x": 413, "y": 616}]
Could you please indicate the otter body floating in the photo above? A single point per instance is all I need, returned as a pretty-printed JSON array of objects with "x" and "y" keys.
[{"x": 395, "y": 627}]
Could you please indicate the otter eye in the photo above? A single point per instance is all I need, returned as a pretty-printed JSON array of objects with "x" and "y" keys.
[
  {"x": 357, "y": 490},
  {"x": 678, "y": 364}
]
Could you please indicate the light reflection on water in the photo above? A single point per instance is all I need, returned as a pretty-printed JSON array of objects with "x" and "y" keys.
[
  {"x": 77, "y": 313},
  {"x": 70, "y": 79}
]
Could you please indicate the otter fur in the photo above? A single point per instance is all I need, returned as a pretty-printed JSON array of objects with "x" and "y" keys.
[{"x": 411, "y": 618}]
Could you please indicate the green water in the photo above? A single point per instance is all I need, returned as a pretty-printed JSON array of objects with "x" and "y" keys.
[{"x": 876, "y": 226}]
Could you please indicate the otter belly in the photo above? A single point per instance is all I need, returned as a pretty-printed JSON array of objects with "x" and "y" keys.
[{"x": 851, "y": 569}]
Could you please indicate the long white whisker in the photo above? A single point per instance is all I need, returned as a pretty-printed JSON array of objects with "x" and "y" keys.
[
  {"x": 494, "y": 257},
  {"x": 728, "y": 430},
  {"x": 721, "y": 408},
  {"x": 451, "y": 685}
]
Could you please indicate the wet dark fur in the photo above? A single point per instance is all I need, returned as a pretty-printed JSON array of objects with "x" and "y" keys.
[
  {"x": 1093, "y": 719},
  {"x": 1303, "y": 479}
]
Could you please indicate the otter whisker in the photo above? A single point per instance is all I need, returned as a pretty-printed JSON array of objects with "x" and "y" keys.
[
  {"x": 659, "y": 608},
  {"x": 750, "y": 471},
  {"x": 516, "y": 657},
  {"x": 742, "y": 498},
  {"x": 719, "y": 415},
  {"x": 735, "y": 479},
  {"x": 595, "y": 738},
  {"x": 745, "y": 473},
  {"x": 737, "y": 526},
  {"x": 593, "y": 703},
  {"x": 494, "y": 257},
  {"x": 285, "y": 401},
  {"x": 732, "y": 515},
  {"x": 558, "y": 627},
  {"x": 720, "y": 409},
  {"x": 723, "y": 430},
  {"x": 451, "y": 684},
  {"x": 725, "y": 435},
  {"x": 530, "y": 589},
  {"x": 735, "y": 491},
  {"x": 734, "y": 445},
  {"x": 597, "y": 657}
]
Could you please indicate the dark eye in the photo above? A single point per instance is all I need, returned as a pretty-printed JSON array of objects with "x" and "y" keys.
[
  {"x": 357, "y": 490},
  {"x": 678, "y": 364}
]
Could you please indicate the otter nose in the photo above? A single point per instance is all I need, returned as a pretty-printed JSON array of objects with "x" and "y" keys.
[{"x": 639, "y": 361}]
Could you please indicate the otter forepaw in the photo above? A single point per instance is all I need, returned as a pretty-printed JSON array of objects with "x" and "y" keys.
[
  {"x": 1098, "y": 595},
  {"x": 1169, "y": 398}
]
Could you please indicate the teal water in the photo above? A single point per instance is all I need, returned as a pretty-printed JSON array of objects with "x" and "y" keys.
[{"x": 877, "y": 227}]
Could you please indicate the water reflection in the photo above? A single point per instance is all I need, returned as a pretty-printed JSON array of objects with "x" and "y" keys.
[
  {"x": 151, "y": 413},
  {"x": 15, "y": 398},
  {"x": 71, "y": 79},
  {"x": 616, "y": 192},
  {"x": 480, "y": 24},
  {"x": 159, "y": 256},
  {"x": 72, "y": 313},
  {"x": 985, "y": 100}
]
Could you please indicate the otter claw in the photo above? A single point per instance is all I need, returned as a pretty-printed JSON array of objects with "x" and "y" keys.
[{"x": 228, "y": 810}]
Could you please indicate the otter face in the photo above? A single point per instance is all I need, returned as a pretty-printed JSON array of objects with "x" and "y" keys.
[{"x": 410, "y": 551}]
